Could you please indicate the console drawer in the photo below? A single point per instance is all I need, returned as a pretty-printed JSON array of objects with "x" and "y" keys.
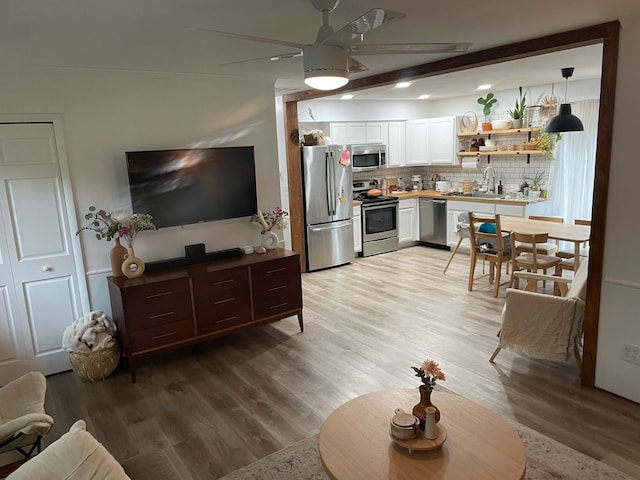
[
  {"x": 155, "y": 304},
  {"x": 159, "y": 336}
]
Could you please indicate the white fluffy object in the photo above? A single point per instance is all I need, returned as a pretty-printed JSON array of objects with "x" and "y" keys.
[{"x": 94, "y": 331}]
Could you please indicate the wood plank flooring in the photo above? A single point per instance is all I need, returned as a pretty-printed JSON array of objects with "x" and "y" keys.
[{"x": 204, "y": 411}]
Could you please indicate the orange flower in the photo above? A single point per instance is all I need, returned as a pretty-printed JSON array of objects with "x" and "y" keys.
[{"x": 429, "y": 373}]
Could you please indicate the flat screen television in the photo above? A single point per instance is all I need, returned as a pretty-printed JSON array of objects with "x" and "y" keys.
[{"x": 182, "y": 187}]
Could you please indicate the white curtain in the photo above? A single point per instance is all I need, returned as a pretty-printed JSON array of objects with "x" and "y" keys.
[{"x": 573, "y": 170}]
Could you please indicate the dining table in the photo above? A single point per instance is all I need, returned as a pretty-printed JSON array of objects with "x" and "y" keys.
[{"x": 566, "y": 232}]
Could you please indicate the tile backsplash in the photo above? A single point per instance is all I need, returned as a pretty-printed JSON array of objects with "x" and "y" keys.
[{"x": 510, "y": 169}]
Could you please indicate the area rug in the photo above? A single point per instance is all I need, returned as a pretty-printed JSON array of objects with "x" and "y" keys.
[{"x": 546, "y": 460}]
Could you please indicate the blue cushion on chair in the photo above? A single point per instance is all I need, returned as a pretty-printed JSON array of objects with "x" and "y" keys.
[{"x": 487, "y": 228}]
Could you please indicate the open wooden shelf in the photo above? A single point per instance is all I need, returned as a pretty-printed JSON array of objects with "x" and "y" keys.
[
  {"x": 505, "y": 152},
  {"x": 501, "y": 132}
]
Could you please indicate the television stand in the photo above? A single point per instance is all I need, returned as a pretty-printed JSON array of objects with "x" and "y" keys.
[{"x": 177, "y": 306}]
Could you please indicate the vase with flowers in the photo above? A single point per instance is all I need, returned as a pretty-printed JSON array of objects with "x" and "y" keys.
[
  {"x": 267, "y": 221},
  {"x": 130, "y": 227},
  {"x": 107, "y": 226},
  {"x": 429, "y": 373}
]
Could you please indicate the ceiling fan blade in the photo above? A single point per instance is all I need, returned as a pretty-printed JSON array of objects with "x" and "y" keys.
[
  {"x": 251, "y": 38},
  {"x": 273, "y": 58},
  {"x": 400, "y": 48},
  {"x": 353, "y": 32},
  {"x": 356, "y": 67}
]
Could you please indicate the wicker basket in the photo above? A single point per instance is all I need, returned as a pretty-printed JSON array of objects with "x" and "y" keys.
[{"x": 95, "y": 366}]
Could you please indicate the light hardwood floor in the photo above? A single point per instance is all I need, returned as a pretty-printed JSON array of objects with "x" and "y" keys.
[{"x": 201, "y": 412}]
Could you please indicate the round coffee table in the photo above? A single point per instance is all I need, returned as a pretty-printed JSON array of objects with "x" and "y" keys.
[{"x": 355, "y": 442}]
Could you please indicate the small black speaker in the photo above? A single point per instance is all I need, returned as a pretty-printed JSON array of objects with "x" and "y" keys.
[{"x": 194, "y": 251}]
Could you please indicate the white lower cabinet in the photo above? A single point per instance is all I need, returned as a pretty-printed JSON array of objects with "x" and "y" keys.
[
  {"x": 357, "y": 228},
  {"x": 455, "y": 208},
  {"x": 408, "y": 228}
]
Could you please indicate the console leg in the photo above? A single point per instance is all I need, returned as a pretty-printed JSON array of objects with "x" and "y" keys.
[{"x": 132, "y": 367}]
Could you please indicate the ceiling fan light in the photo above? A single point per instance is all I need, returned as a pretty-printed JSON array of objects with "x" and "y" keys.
[
  {"x": 326, "y": 67},
  {"x": 325, "y": 82}
]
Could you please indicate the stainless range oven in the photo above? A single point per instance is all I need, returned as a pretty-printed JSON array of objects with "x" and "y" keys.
[{"x": 379, "y": 220}]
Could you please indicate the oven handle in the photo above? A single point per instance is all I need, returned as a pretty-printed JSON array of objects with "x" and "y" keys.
[{"x": 378, "y": 206}]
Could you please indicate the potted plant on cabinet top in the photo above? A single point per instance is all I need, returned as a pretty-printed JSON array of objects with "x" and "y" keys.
[
  {"x": 517, "y": 114},
  {"x": 487, "y": 103}
]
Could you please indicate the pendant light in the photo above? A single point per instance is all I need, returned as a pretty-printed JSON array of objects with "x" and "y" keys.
[{"x": 565, "y": 121}]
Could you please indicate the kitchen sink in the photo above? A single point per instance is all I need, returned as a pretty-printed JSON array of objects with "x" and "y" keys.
[{"x": 486, "y": 195}]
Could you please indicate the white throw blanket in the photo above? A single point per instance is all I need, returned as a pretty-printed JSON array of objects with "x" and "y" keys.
[{"x": 94, "y": 331}]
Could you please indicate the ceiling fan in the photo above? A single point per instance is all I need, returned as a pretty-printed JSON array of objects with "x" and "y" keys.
[{"x": 329, "y": 59}]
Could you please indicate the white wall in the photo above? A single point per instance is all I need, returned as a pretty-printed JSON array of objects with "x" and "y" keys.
[
  {"x": 577, "y": 90},
  {"x": 106, "y": 114},
  {"x": 366, "y": 110},
  {"x": 620, "y": 301}
]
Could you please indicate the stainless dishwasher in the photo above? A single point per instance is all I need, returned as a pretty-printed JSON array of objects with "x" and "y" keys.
[{"x": 433, "y": 222}]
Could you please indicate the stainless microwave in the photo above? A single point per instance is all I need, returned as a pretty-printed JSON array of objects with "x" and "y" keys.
[{"x": 368, "y": 156}]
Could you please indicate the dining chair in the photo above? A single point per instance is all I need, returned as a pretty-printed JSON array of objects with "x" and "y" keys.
[
  {"x": 541, "y": 325},
  {"x": 525, "y": 256},
  {"x": 462, "y": 231},
  {"x": 568, "y": 262},
  {"x": 488, "y": 243}
]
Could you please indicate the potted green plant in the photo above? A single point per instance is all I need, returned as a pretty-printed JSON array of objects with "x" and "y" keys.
[
  {"x": 546, "y": 141},
  {"x": 517, "y": 114},
  {"x": 487, "y": 104},
  {"x": 536, "y": 183}
]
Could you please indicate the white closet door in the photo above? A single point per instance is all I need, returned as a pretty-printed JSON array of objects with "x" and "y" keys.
[{"x": 39, "y": 291}]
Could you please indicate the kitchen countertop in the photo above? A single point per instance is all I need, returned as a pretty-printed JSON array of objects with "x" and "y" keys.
[{"x": 434, "y": 194}]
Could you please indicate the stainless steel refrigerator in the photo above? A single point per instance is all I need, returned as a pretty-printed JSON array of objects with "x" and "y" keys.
[{"x": 328, "y": 204}]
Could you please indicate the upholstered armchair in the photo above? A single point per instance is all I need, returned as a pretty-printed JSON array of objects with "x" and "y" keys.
[
  {"x": 543, "y": 325},
  {"x": 76, "y": 455},
  {"x": 23, "y": 421}
]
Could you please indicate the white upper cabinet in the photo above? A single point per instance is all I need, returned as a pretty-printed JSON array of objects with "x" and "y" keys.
[
  {"x": 377, "y": 132},
  {"x": 442, "y": 141},
  {"x": 346, "y": 133},
  {"x": 431, "y": 141},
  {"x": 417, "y": 132},
  {"x": 396, "y": 144}
]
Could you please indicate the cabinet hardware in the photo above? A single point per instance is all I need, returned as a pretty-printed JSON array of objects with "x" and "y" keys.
[
  {"x": 159, "y": 294},
  {"x": 153, "y": 317},
  {"x": 276, "y": 270},
  {"x": 279, "y": 287},
  {"x": 224, "y": 301},
  {"x": 225, "y": 319},
  {"x": 224, "y": 281},
  {"x": 163, "y": 335},
  {"x": 279, "y": 305}
]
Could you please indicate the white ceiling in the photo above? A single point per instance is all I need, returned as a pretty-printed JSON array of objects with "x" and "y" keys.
[{"x": 159, "y": 35}]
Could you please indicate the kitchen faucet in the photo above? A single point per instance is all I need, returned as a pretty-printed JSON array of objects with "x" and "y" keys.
[{"x": 489, "y": 175}]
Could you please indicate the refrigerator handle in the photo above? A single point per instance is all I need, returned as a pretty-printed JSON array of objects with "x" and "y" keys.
[
  {"x": 333, "y": 185},
  {"x": 328, "y": 182}
]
